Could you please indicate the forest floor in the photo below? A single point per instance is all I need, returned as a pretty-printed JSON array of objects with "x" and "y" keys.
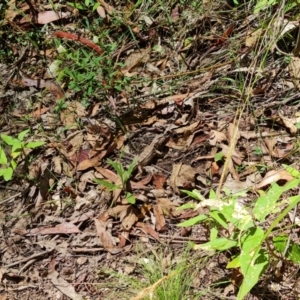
[{"x": 118, "y": 118}]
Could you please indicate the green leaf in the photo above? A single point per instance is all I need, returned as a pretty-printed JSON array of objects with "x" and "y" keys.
[
  {"x": 212, "y": 194},
  {"x": 8, "y": 139},
  {"x": 293, "y": 252},
  {"x": 253, "y": 259},
  {"x": 194, "y": 194},
  {"x": 3, "y": 158},
  {"x": 15, "y": 154},
  {"x": 235, "y": 263},
  {"x": 6, "y": 173},
  {"x": 220, "y": 244},
  {"x": 252, "y": 274},
  {"x": 32, "y": 145},
  {"x": 130, "y": 198},
  {"x": 218, "y": 156},
  {"x": 13, "y": 164},
  {"x": 107, "y": 184},
  {"x": 118, "y": 167},
  {"x": 213, "y": 235},
  {"x": 22, "y": 134},
  {"x": 77, "y": 5},
  {"x": 267, "y": 203},
  {"x": 132, "y": 166},
  {"x": 292, "y": 171},
  {"x": 219, "y": 218},
  {"x": 192, "y": 221},
  {"x": 263, "y": 4},
  {"x": 17, "y": 146},
  {"x": 186, "y": 206}
]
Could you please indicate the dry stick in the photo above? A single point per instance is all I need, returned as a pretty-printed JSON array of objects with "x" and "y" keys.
[
  {"x": 11, "y": 198},
  {"x": 24, "y": 260}
]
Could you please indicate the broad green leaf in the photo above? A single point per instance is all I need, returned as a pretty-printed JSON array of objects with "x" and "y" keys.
[
  {"x": 186, "y": 206},
  {"x": 8, "y": 139},
  {"x": 263, "y": 4},
  {"x": 118, "y": 167},
  {"x": 3, "y": 158},
  {"x": 17, "y": 146},
  {"x": 292, "y": 171},
  {"x": 22, "y": 134},
  {"x": 6, "y": 173},
  {"x": 212, "y": 194},
  {"x": 77, "y": 5},
  {"x": 15, "y": 154},
  {"x": 267, "y": 203},
  {"x": 130, "y": 198},
  {"x": 213, "y": 235},
  {"x": 254, "y": 271},
  {"x": 250, "y": 240},
  {"x": 194, "y": 194},
  {"x": 132, "y": 166},
  {"x": 107, "y": 184},
  {"x": 293, "y": 252},
  {"x": 32, "y": 145},
  {"x": 253, "y": 259},
  {"x": 220, "y": 244},
  {"x": 218, "y": 156},
  {"x": 219, "y": 218},
  {"x": 235, "y": 263},
  {"x": 13, "y": 164},
  {"x": 192, "y": 221}
]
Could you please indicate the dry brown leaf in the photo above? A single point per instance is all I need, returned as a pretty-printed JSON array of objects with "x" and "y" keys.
[
  {"x": 63, "y": 228},
  {"x": 274, "y": 176},
  {"x": 236, "y": 156},
  {"x": 11, "y": 11},
  {"x": 217, "y": 137},
  {"x": 36, "y": 114},
  {"x": 148, "y": 230},
  {"x": 45, "y": 17},
  {"x": 182, "y": 176},
  {"x": 110, "y": 175},
  {"x": 3, "y": 296},
  {"x": 175, "y": 172},
  {"x": 294, "y": 67},
  {"x": 105, "y": 237},
  {"x": 135, "y": 58},
  {"x": 186, "y": 130},
  {"x": 276, "y": 151},
  {"x": 101, "y": 12},
  {"x": 41, "y": 83},
  {"x": 68, "y": 118},
  {"x": 110, "y": 10},
  {"x": 88, "y": 163},
  {"x": 159, "y": 181},
  {"x": 160, "y": 218},
  {"x": 289, "y": 122},
  {"x": 129, "y": 217},
  {"x": 64, "y": 286},
  {"x": 117, "y": 210},
  {"x": 235, "y": 186},
  {"x": 168, "y": 207},
  {"x": 252, "y": 37}
]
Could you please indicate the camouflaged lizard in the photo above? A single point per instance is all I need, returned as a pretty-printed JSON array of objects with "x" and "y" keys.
[{"x": 150, "y": 151}]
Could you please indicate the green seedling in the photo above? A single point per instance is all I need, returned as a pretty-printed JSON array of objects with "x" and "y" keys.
[
  {"x": 123, "y": 175},
  {"x": 18, "y": 147},
  {"x": 246, "y": 229}
]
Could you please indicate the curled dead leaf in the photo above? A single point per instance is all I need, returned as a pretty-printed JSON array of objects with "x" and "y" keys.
[{"x": 274, "y": 176}]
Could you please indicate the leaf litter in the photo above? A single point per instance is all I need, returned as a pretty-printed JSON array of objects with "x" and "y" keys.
[{"x": 175, "y": 79}]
